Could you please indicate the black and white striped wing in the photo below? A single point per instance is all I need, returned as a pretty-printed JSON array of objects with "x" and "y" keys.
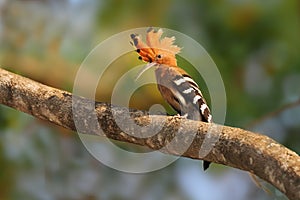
[{"x": 184, "y": 94}]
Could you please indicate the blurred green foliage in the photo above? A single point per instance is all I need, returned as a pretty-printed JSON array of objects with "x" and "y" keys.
[{"x": 255, "y": 45}]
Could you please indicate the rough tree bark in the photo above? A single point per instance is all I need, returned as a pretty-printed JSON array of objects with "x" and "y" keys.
[{"x": 234, "y": 147}]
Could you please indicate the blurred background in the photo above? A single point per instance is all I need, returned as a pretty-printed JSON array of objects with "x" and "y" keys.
[{"x": 255, "y": 45}]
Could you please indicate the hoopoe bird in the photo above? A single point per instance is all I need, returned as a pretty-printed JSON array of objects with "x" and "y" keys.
[{"x": 175, "y": 85}]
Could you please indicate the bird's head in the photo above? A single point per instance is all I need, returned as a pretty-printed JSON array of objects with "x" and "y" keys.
[{"x": 156, "y": 50}]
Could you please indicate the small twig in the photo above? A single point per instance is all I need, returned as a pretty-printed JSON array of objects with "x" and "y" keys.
[{"x": 273, "y": 114}]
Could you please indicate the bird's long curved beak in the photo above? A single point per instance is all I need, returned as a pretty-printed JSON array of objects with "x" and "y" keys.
[{"x": 144, "y": 69}]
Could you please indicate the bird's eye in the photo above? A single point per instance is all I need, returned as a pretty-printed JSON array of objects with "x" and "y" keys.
[{"x": 159, "y": 56}]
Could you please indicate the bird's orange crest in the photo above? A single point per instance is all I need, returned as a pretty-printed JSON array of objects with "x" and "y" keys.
[{"x": 156, "y": 49}]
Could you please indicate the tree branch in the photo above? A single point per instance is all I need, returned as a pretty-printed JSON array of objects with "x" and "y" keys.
[{"x": 235, "y": 147}]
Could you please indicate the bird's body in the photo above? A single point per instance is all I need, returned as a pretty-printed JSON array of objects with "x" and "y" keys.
[
  {"x": 174, "y": 84},
  {"x": 182, "y": 93}
]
